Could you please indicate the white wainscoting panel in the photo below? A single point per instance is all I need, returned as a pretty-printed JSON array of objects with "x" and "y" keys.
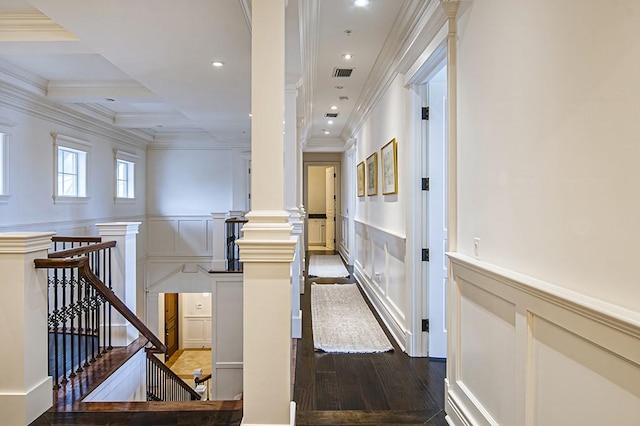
[
  {"x": 196, "y": 332},
  {"x": 527, "y": 352},
  {"x": 343, "y": 244},
  {"x": 182, "y": 236},
  {"x": 380, "y": 267},
  {"x": 128, "y": 383},
  {"x": 226, "y": 295}
]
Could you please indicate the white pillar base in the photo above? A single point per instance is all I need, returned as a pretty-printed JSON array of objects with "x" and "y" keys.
[
  {"x": 24, "y": 408},
  {"x": 292, "y": 418},
  {"x": 25, "y": 385}
]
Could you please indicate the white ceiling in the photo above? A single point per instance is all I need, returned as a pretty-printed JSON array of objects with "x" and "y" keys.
[{"x": 145, "y": 65}]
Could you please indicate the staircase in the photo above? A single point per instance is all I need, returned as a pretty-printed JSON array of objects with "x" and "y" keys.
[{"x": 85, "y": 318}]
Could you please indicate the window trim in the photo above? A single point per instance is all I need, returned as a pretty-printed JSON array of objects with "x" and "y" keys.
[
  {"x": 75, "y": 144},
  {"x": 127, "y": 157}
]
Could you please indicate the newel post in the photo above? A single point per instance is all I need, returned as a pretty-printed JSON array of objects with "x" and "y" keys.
[
  {"x": 123, "y": 275},
  {"x": 25, "y": 385}
]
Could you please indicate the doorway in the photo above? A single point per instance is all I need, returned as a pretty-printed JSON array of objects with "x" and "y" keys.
[
  {"x": 171, "y": 324},
  {"x": 321, "y": 207}
]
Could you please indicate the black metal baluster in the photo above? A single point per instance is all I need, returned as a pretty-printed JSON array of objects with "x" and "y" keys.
[
  {"x": 98, "y": 301},
  {"x": 104, "y": 306},
  {"x": 87, "y": 307},
  {"x": 54, "y": 328},
  {"x": 110, "y": 288},
  {"x": 64, "y": 326},
  {"x": 92, "y": 302},
  {"x": 72, "y": 314},
  {"x": 80, "y": 301}
]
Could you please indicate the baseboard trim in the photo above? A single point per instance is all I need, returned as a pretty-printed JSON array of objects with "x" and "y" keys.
[
  {"x": 399, "y": 335},
  {"x": 296, "y": 325}
]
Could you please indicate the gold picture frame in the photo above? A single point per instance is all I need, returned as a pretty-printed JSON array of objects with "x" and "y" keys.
[
  {"x": 372, "y": 174},
  {"x": 360, "y": 177},
  {"x": 389, "y": 159}
]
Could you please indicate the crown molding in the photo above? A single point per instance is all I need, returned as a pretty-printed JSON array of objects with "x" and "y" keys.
[
  {"x": 193, "y": 141},
  {"x": 32, "y": 27},
  {"x": 22, "y": 78},
  {"x": 246, "y": 10},
  {"x": 25, "y": 101},
  {"x": 403, "y": 43},
  {"x": 325, "y": 145},
  {"x": 78, "y": 90},
  {"x": 146, "y": 120}
]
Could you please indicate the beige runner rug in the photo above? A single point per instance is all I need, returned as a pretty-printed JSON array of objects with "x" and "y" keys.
[{"x": 342, "y": 321}]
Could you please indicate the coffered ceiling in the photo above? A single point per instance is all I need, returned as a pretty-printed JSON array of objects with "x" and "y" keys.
[{"x": 146, "y": 65}]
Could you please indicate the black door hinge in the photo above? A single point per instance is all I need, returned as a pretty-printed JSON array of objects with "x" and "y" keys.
[
  {"x": 425, "y": 113},
  {"x": 425, "y": 255},
  {"x": 334, "y": 175},
  {"x": 425, "y": 184},
  {"x": 425, "y": 325}
]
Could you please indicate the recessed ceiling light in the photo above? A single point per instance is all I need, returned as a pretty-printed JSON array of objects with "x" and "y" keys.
[
  {"x": 347, "y": 56},
  {"x": 334, "y": 107},
  {"x": 326, "y": 132},
  {"x": 330, "y": 122},
  {"x": 339, "y": 87},
  {"x": 217, "y": 63},
  {"x": 360, "y": 3},
  {"x": 109, "y": 99},
  {"x": 250, "y": 115}
]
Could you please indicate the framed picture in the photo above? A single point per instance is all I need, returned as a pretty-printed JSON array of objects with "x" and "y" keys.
[
  {"x": 389, "y": 168},
  {"x": 360, "y": 173},
  {"x": 372, "y": 174}
]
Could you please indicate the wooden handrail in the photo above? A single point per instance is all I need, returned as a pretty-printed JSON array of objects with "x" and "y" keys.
[
  {"x": 58, "y": 239},
  {"x": 162, "y": 366},
  {"x": 203, "y": 379},
  {"x": 78, "y": 251},
  {"x": 82, "y": 263}
]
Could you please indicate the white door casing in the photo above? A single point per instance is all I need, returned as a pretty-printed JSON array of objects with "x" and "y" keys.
[
  {"x": 437, "y": 214},
  {"x": 330, "y": 226}
]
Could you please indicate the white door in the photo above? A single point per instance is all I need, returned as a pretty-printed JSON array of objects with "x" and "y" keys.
[
  {"x": 330, "y": 193},
  {"x": 437, "y": 215}
]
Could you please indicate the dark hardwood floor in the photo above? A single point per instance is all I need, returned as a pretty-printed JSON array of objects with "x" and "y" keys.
[
  {"x": 330, "y": 389},
  {"x": 364, "y": 389}
]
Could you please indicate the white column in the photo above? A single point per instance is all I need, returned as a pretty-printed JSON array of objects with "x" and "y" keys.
[
  {"x": 25, "y": 386},
  {"x": 267, "y": 245},
  {"x": 123, "y": 275},
  {"x": 301, "y": 250},
  {"x": 218, "y": 242},
  {"x": 291, "y": 198}
]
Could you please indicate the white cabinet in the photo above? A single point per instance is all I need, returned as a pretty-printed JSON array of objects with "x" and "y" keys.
[{"x": 316, "y": 231}]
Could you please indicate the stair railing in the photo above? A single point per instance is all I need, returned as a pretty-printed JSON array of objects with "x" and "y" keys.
[
  {"x": 163, "y": 384},
  {"x": 81, "y": 298}
]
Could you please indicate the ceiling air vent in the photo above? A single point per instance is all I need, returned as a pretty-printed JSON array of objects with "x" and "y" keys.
[
  {"x": 342, "y": 72},
  {"x": 331, "y": 115}
]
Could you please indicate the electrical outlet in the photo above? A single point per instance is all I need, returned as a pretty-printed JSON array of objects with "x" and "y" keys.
[{"x": 476, "y": 247}]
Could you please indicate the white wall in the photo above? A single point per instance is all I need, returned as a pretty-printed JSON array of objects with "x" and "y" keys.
[
  {"x": 190, "y": 181},
  {"x": 547, "y": 177},
  {"x": 317, "y": 187},
  {"x": 380, "y": 220},
  {"x": 547, "y": 141},
  {"x": 127, "y": 383},
  {"x": 195, "y": 320},
  {"x": 31, "y": 168}
]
